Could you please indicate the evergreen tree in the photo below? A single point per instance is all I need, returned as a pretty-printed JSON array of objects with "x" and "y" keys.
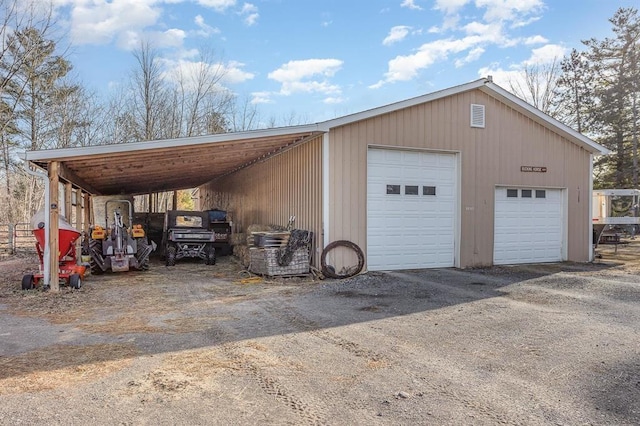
[{"x": 614, "y": 62}]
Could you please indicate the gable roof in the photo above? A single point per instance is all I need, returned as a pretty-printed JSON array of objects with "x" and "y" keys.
[
  {"x": 487, "y": 86},
  {"x": 164, "y": 165}
]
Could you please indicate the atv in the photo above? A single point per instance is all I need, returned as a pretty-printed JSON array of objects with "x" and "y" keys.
[{"x": 186, "y": 234}]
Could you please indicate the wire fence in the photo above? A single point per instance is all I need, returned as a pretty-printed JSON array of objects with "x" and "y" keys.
[{"x": 16, "y": 238}]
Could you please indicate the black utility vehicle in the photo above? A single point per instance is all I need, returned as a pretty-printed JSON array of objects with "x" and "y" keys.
[{"x": 187, "y": 234}]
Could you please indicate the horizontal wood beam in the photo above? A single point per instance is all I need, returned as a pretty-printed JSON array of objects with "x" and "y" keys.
[{"x": 68, "y": 175}]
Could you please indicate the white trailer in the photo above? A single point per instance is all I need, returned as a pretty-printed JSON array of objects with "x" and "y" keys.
[{"x": 615, "y": 208}]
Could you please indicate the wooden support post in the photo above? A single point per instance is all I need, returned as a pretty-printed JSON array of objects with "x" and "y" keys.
[
  {"x": 79, "y": 224},
  {"x": 53, "y": 225},
  {"x": 175, "y": 200},
  {"x": 68, "y": 205},
  {"x": 149, "y": 203},
  {"x": 87, "y": 212}
]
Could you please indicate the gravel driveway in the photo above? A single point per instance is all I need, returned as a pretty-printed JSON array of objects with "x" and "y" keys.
[{"x": 549, "y": 344}]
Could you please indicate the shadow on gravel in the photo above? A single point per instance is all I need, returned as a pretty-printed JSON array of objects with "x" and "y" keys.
[
  {"x": 611, "y": 388},
  {"x": 191, "y": 306}
]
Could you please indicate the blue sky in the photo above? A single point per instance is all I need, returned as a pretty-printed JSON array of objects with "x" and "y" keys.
[{"x": 325, "y": 58}]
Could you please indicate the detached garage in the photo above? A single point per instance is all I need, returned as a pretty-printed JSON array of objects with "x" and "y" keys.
[{"x": 467, "y": 176}]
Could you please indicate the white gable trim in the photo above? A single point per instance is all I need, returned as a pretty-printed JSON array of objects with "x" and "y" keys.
[{"x": 571, "y": 134}]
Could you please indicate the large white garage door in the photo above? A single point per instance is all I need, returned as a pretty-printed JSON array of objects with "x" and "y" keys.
[
  {"x": 528, "y": 226},
  {"x": 411, "y": 209}
]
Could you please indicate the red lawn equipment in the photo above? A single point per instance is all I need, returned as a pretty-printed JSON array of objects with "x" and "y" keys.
[{"x": 69, "y": 272}]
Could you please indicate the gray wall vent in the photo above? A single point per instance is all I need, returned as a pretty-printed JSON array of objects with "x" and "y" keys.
[{"x": 477, "y": 115}]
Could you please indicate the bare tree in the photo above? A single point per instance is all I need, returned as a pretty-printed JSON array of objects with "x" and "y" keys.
[
  {"x": 244, "y": 116},
  {"x": 149, "y": 91},
  {"x": 538, "y": 86},
  {"x": 26, "y": 42}
]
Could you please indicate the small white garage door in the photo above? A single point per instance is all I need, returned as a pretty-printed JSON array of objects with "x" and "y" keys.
[
  {"x": 411, "y": 209},
  {"x": 528, "y": 226}
]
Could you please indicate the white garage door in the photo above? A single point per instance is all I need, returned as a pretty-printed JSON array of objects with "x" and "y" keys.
[
  {"x": 528, "y": 226},
  {"x": 411, "y": 209}
]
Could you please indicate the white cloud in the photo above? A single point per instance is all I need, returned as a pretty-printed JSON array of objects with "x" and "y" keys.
[
  {"x": 250, "y": 13},
  {"x": 100, "y": 23},
  {"x": 474, "y": 55},
  {"x": 171, "y": 38},
  {"x": 450, "y": 6},
  {"x": 449, "y": 22},
  {"x": 410, "y": 4},
  {"x": 537, "y": 39},
  {"x": 233, "y": 73},
  {"x": 333, "y": 100},
  {"x": 261, "y": 98},
  {"x": 508, "y": 10},
  {"x": 472, "y": 39},
  {"x": 546, "y": 55},
  {"x": 298, "y": 70},
  {"x": 190, "y": 72},
  {"x": 103, "y": 21},
  {"x": 407, "y": 67},
  {"x": 217, "y": 5},
  {"x": 396, "y": 34},
  {"x": 307, "y": 76},
  {"x": 525, "y": 22},
  {"x": 205, "y": 29},
  {"x": 514, "y": 74}
]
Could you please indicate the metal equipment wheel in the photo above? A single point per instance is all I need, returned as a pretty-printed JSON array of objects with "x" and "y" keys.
[
  {"x": 75, "y": 281},
  {"x": 353, "y": 254},
  {"x": 211, "y": 256},
  {"x": 171, "y": 256},
  {"x": 28, "y": 282}
]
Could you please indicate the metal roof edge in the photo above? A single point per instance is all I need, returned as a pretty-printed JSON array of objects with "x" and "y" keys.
[
  {"x": 348, "y": 119},
  {"x": 51, "y": 154},
  {"x": 595, "y": 147}
]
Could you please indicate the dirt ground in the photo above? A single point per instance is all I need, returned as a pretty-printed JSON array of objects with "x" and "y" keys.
[{"x": 193, "y": 344}]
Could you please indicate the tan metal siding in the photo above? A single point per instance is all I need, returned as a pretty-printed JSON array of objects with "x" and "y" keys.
[
  {"x": 489, "y": 157},
  {"x": 269, "y": 192}
]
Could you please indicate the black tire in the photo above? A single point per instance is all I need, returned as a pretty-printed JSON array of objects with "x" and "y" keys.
[
  {"x": 211, "y": 256},
  {"x": 28, "y": 282},
  {"x": 329, "y": 270},
  {"x": 75, "y": 281},
  {"x": 142, "y": 254},
  {"x": 95, "y": 251},
  {"x": 171, "y": 256}
]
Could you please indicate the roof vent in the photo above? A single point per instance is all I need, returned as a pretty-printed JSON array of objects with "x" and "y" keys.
[{"x": 477, "y": 115}]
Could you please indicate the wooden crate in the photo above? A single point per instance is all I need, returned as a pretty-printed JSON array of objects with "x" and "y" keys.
[
  {"x": 270, "y": 239},
  {"x": 264, "y": 261}
]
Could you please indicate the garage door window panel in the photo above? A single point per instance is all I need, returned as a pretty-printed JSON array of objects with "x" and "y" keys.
[
  {"x": 411, "y": 190},
  {"x": 393, "y": 189}
]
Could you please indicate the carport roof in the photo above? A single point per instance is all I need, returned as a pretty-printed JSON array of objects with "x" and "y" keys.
[{"x": 171, "y": 164}]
